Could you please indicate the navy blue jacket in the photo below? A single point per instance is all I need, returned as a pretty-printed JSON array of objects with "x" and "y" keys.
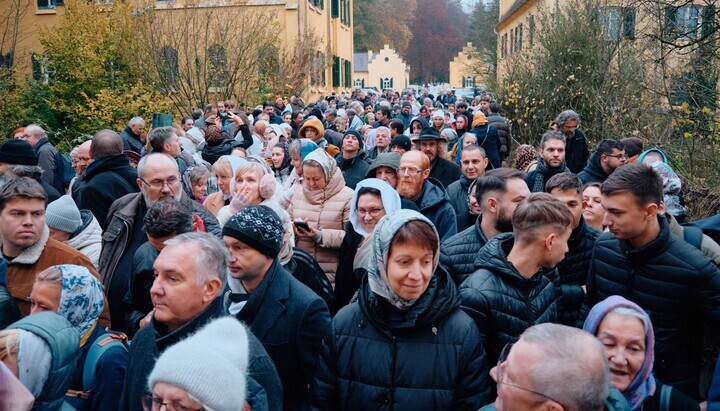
[
  {"x": 434, "y": 204},
  {"x": 489, "y": 139}
]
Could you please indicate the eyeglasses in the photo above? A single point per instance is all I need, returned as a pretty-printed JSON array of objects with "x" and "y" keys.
[
  {"x": 618, "y": 156},
  {"x": 408, "y": 170},
  {"x": 374, "y": 212},
  {"x": 502, "y": 363},
  {"x": 151, "y": 403},
  {"x": 159, "y": 184}
]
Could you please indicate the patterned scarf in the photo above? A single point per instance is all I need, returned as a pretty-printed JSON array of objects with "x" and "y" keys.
[
  {"x": 81, "y": 298},
  {"x": 544, "y": 172}
]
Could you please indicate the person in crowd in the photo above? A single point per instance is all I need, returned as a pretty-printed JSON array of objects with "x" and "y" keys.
[
  {"x": 417, "y": 124},
  {"x": 640, "y": 260},
  {"x": 467, "y": 139},
  {"x": 435, "y": 148},
  {"x": 463, "y": 109},
  {"x": 220, "y": 142},
  {"x": 573, "y": 269},
  {"x": 554, "y": 367},
  {"x": 287, "y": 317},
  {"x": 385, "y": 167},
  {"x": 405, "y": 113},
  {"x": 352, "y": 159},
  {"x": 281, "y": 162},
  {"x": 515, "y": 283},
  {"x": 109, "y": 176},
  {"x": 382, "y": 142},
  {"x": 609, "y": 155},
  {"x": 633, "y": 148},
  {"x": 132, "y": 135},
  {"x": 382, "y": 117},
  {"x": 594, "y": 212},
  {"x": 195, "y": 183},
  {"x": 497, "y": 194},
  {"x": 206, "y": 371},
  {"x": 428, "y": 194},
  {"x": 26, "y": 242},
  {"x": 373, "y": 199},
  {"x": 576, "y": 149},
  {"x": 40, "y": 351},
  {"x": 503, "y": 127},
  {"x": 81, "y": 161},
  {"x": 461, "y": 125},
  {"x": 672, "y": 186},
  {"x": 313, "y": 130},
  {"x": 401, "y": 144},
  {"x": 270, "y": 111},
  {"x": 77, "y": 228},
  {"x": 626, "y": 332},
  {"x": 396, "y": 127},
  {"x": 166, "y": 219},
  {"x": 224, "y": 169},
  {"x": 46, "y": 154},
  {"x": 17, "y": 159},
  {"x": 488, "y": 138},
  {"x": 438, "y": 120},
  {"x": 191, "y": 273},
  {"x": 319, "y": 209},
  {"x": 406, "y": 304},
  {"x": 526, "y": 157},
  {"x": 165, "y": 140},
  {"x": 72, "y": 292},
  {"x": 158, "y": 179},
  {"x": 473, "y": 166},
  {"x": 550, "y": 162}
]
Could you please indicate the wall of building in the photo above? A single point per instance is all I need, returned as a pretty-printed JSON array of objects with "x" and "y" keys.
[
  {"x": 467, "y": 64},
  {"x": 386, "y": 64}
]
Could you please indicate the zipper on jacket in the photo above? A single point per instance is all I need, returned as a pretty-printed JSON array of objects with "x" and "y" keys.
[{"x": 117, "y": 261}]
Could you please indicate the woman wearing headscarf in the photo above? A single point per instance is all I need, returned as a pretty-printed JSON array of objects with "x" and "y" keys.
[
  {"x": 224, "y": 169},
  {"x": 372, "y": 200},
  {"x": 319, "y": 209},
  {"x": 298, "y": 150},
  {"x": 281, "y": 162},
  {"x": 41, "y": 352},
  {"x": 72, "y": 292},
  {"x": 627, "y": 334},
  {"x": 405, "y": 343}
]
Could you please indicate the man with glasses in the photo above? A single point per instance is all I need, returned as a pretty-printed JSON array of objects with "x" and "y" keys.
[
  {"x": 553, "y": 367},
  {"x": 158, "y": 179},
  {"x": 609, "y": 155},
  {"x": 428, "y": 194}
]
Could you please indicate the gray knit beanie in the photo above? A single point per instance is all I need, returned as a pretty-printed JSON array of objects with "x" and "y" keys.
[
  {"x": 211, "y": 365},
  {"x": 258, "y": 227},
  {"x": 63, "y": 215}
]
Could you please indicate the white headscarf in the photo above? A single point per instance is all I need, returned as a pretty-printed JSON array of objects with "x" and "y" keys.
[{"x": 390, "y": 199}]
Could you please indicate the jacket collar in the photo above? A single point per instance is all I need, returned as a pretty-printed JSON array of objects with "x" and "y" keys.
[
  {"x": 654, "y": 247},
  {"x": 267, "y": 302},
  {"x": 493, "y": 257},
  {"x": 432, "y": 194},
  {"x": 32, "y": 254},
  {"x": 165, "y": 338}
]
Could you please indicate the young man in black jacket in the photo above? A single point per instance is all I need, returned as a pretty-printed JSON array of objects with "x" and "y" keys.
[{"x": 642, "y": 261}]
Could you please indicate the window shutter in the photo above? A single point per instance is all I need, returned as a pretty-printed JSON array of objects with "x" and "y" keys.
[
  {"x": 391, "y": 82},
  {"x": 628, "y": 23},
  {"x": 335, "y": 8},
  {"x": 708, "y": 22},
  {"x": 362, "y": 83},
  {"x": 336, "y": 71}
]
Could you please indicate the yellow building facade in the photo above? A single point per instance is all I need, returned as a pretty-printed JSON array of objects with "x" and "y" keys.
[
  {"x": 467, "y": 69},
  {"x": 329, "y": 21},
  {"x": 383, "y": 70}
]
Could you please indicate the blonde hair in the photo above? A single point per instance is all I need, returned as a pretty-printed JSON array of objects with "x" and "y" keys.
[
  {"x": 50, "y": 275},
  {"x": 9, "y": 343},
  {"x": 222, "y": 166},
  {"x": 540, "y": 211},
  {"x": 248, "y": 167}
]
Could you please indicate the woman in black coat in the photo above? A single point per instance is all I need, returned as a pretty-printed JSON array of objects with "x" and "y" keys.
[{"x": 405, "y": 344}]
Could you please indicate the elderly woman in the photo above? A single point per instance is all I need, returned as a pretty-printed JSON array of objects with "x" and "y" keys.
[
  {"x": 372, "y": 200},
  {"x": 405, "y": 341},
  {"x": 627, "y": 334},
  {"x": 72, "y": 292},
  {"x": 224, "y": 169},
  {"x": 319, "y": 209},
  {"x": 195, "y": 183}
]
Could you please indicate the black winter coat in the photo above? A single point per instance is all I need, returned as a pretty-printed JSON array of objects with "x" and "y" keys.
[
  {"x": 106, "y": 180},
  {"x": 489, "y": 140},
  {"x": 458, "y": 253},
  {"x": 458, "y": 194},
  {"x": 675, "y": 283},
  {"x": 435, "y": 205},
  {"x": 430, "y": 358},
  {"x": 573, "y": 270},
  {"x": 576, "y": 152},
  {"x": 503, "y": 128},
  {"x": 9, "y": 312},
  {"x": 353, "y": 169},
  {"x": 593, "y": 172},
  {"x": 502, "y": 302},
  {"x": 211, "y": 153},
  {"x": 137, "y": 299},
  {"x": 445, "y": 171},
  {"x": 131, "y": 141},
  {"x": 346, "y": 282}
]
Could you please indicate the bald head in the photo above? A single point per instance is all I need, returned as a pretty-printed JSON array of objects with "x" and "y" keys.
[
  {"x": 106, "y": 143},
  {"x": 416, "y": 158},
  {"x": 157, "y": 163}
]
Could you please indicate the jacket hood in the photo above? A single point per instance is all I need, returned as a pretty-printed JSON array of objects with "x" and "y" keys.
[
  {"x": 479, "y": 119},
  {"x": 493, "y": 257},
  {"x": 391, "y": 160},
  {"x": 63, "y": 340},
  {"x": 642, "y": 155},
  {"x": 433, "y": 193},
  {"x": 390, "y": 199},
  {"x": 88, "y": 233},
  {"x": 593, "y": 168},
  {"x": 312, "y": 123},
  {"x": 424, "y": 123}
]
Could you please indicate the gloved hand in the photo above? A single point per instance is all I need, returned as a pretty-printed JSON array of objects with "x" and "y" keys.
[{"x": 240, "y": 200}]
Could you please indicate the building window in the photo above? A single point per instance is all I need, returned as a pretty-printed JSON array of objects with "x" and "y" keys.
[
  {"x": 386, "y": 83},
  {"x": 319, "y": 4},
  {"x": 519, "y": 37},
  {"x": 46, "y": 4},
  {"x": 359, "y": 83},
  {"x": 618, "y": 22},
  {"x": 512, "y": 42},
  {"x": 531, "y": 29},
  {"x": 684, "y": 22},
  {"x": 217, "y": 67},
  {"x": 7, "y": 60},
  {"x": 469, "y": 82}
]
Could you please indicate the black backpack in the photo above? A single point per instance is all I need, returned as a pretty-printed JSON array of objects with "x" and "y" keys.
[{"x": 64, "y": 172}]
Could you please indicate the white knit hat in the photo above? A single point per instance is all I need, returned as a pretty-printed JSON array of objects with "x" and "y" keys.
[
  {"x": 439, "y": 113},
  {"x": 63, "y": 215},
  {"x": 211, "y": 365}
]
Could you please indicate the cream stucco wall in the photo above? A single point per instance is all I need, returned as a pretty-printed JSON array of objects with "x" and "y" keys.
[{"x": 467, "y": 63}]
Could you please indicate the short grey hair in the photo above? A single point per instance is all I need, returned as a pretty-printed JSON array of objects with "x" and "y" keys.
[
  {"x": 633, "y": 313},
  {"x": 136, "y": 120},
  {"x": 566, "y": 116},
  {"x": 143, "y": 162},
  {"x": 331, "y": 112},
  {"x": 569, "y": 355},
  {"x": 20, "y": 170},
  {"x": 36, "y": 131},
  {"x": 384, "y": 130},
  {"x": 211, "y": 255},
  {"x": 159, "y": 137}
]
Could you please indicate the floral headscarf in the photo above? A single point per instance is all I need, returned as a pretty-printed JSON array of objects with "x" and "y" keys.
[
  {"x": 382, "y": 238},
  {"x": 81, "y": 298}
]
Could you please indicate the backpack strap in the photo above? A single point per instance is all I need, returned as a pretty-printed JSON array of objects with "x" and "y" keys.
[
  {"x": 693, "y": 235},
  {"x": 665, "y": 394},
  {"x": 96, "y": 351}
]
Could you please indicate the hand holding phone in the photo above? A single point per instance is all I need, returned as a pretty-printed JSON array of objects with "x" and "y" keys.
[{"x": 302, "y": 225}]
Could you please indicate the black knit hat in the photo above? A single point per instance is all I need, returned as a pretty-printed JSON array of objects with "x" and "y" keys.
[
  {"x": 18, "y": 152},
  {"x": 258, "y": 227},
  {"x": 357, "y": 135},
  {"x": 402, "y": 141}
]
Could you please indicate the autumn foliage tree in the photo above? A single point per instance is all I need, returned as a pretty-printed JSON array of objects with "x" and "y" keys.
[{"x": 380, "y": 22}]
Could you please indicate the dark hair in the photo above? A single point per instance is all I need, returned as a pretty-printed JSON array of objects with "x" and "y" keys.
[
  {"x": 22, "y": 187},
  {"x": 494, "y": 107},
  {"x": 461, "y": 104},
  {"x": 196, "y": 114},
  {"x": 540, "y": 210},
  {"x": 486, "y": 97},
  {"x": 168, "y": 217},
  {"x": 385, "y": 110},
  {"x": 563, "y": 182},
  {"x": 106, "y": 143},
  {"x": 186, "y": 118},
  {"x": 368, "y": 190},
  {"x": 416, "y": 232},
  {"x": 159, "y": 137},
  {"x": 495, "y": 181},
  {"x": 637, "y": 179},
  {"x": 397, "y": 125},
  {"x": 608, "y": 145},
  {"x": 552, "y": 135},
  {"x": 267, "y": 104},
  {"x": 295, "y": 114},
  {"x": 367, "y": 104}
]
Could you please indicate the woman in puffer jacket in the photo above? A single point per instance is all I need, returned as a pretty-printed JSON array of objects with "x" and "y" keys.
[
  {"x": 323, "y": 202},
  {"x": 405, "y": 344}
]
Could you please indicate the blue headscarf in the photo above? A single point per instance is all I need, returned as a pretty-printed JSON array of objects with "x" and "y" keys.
[
  {"x": 643, "y": 385},
  {"x": 81, "y": 298}
]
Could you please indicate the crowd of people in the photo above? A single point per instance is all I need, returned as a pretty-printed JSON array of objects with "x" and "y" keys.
[{"x": 386, "y": 251}]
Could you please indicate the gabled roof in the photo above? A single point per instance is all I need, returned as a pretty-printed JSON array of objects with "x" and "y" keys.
[{"x": 516, "y": 5}]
